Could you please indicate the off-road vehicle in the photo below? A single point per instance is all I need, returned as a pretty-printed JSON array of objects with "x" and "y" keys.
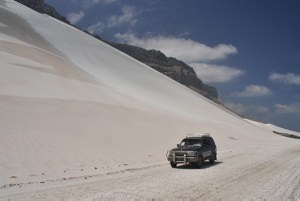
[{"x": 195, "y": 149}]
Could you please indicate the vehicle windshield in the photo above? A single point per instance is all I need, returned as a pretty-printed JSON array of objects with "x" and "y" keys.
[{"x": 190, "y": 142}]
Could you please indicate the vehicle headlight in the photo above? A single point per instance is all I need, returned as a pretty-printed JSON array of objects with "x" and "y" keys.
[
  {"x": 171, "y": 153},
  {"x": 191, "y": 153}
]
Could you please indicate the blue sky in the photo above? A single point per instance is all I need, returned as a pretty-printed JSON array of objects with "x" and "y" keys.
[{"x": 248, "y": 49}]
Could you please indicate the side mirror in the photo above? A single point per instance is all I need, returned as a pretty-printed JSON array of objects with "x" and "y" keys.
[{"x": 177, "y": 145}]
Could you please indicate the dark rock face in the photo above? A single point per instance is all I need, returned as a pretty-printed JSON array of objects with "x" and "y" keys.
[
  {"x": 34, "y": 4},
  {"x": 41, "y": 7},
  {"x": 171, "y": 67}
]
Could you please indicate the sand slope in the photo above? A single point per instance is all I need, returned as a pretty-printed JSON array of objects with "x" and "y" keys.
[{"x": 72, "y": 106}]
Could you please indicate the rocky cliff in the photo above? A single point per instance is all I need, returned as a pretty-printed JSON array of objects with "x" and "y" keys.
[
  {"x": 40, "y": 6},
  {"x": 171, "y": 67}
]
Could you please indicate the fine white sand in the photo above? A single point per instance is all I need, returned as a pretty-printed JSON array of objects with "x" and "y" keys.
[{"x": 72, "y": 106}]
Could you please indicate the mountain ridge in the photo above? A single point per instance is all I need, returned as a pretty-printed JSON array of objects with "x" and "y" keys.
[
  {"x": 171, "y": 67},
  {"x": 41, "y": 7}
]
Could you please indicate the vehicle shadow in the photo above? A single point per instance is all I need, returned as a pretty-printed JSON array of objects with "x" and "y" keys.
[{"x": 205, "y": 165}]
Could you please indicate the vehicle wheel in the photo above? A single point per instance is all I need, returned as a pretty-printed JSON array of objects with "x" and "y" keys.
[
  {"x": 173, "y": 165},
  {"x": 200, "y": 162},
  {"x": 214, "y": 157}
]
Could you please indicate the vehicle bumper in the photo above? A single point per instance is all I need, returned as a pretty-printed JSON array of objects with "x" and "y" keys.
[{"x": 183, "y": 159}]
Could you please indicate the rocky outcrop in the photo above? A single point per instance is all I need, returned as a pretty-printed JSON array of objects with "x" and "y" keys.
[
  {"x": 41, "y": 7},
  {"x": 171, "y": 67}
]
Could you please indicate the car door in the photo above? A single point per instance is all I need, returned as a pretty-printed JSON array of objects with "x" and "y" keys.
[{"x": 206, "y": 148}]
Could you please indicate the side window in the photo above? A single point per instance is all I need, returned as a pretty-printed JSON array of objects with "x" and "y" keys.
[
  {"x": 212, "y": 141},
  {"x": 206, "y": 142}
]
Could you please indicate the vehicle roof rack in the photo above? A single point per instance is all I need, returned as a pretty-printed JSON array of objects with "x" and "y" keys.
[{"x": 190, "y": 135}]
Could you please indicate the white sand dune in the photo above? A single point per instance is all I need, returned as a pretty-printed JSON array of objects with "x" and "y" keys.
[
  {"x": 274, "y": 128},
  {"x": 71, "y": 106}
]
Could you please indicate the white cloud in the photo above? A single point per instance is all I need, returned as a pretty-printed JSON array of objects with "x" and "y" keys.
[
  {"x": 246, "y": 109},
  {"x": 128, "y": 16},
  {"x": 109, "y": 1},
  {"x": 288, "y": 109},
  {"x": 2, "y": 25},
  {"x": 289, "y": 78},
  {"x": 261, "y": 109},
  {"x": 192, "y": 53},
  {"x": 96, "y": 28},
  {"x": 210, "y": 73},
  {"x": 75, "y": 17},
  {"x": 89, "y": 3},
  {"x": 236, "y": 107},
  {"x": 254, "y": 91},
  {"x": 186, "y": 50}
]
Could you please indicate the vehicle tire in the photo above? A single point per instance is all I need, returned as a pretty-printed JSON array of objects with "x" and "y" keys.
[
  {"x": 212, "y": 160},
  {"x": 200, "y": 162},
  {"x": 173, "y": 164}
]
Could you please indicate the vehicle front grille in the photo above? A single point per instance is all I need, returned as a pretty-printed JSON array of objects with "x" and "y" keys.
[{"x": 179, "y": 153}]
